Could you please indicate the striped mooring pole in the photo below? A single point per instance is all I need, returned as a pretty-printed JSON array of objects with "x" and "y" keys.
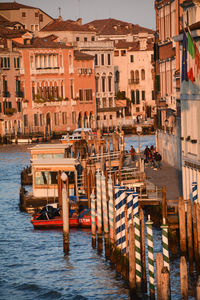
[
  {"x": 99, "y": 216},
  {"x": 122, "y": 210},
  {"x": 150, "y": 257},
  {"x": 165, "y": 243},
  {"x": 117, "y": 215},
  {"x": 93, "y": 219},
  {"x": 138, "y": 262},
  {"x": 194, "y": 192},
  {"x": 129, "y": 203},
  {"x": 110, "y": 207},
  {"x": 104, "y": 204}
]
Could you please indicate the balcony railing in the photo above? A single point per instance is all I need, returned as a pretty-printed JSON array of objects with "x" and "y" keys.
[
  {"x": 6, "y": 94},
  {"x": 133, "y": 81}
]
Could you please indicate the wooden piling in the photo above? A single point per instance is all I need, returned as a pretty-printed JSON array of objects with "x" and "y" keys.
[
  {"x": 189, "y": 235},
  {"x": 132, "y": 270},
  {"x": 65, "y": 210},
  {"x": 198, "y": 289},
  {"x": 59, "y": 190},
  {"x": 164, "y": 280},
  {"x": 144, "y": 274},
  {"x": 93, "y": 219},
  {"x": 159, "y": 267},
  {"x": 164, "y": 203},
  {"x": 183, "y": 278},
  {"x": 194, "y": 221},
  {"x": 182, "y": 227}
]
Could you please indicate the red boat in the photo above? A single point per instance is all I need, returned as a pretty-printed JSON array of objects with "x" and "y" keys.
[
  {"x": 85, "y": 218},
  {"x": 54, "y": 223},
  {"x": 49, "y": 218}
]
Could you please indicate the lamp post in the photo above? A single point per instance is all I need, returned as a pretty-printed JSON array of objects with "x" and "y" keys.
[
  {"x": 139, "y": 132},
  {"x": 65, "y": 212}
]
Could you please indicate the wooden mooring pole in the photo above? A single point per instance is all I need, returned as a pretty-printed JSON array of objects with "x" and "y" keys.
[
  {"x": 183, "y": 278},
  {"x": 65, "y": 211},
  {"x": 159, "y": 267},
  {"x": 164, "y": 281},
  {"x": 132, "y": 271},
  {"x": 189, "y": 235},
  {"x": 164, "y": 203},
  {"x": 182, "y": 227}
]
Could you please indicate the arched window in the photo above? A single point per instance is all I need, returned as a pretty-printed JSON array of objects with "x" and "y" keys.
[
  {"x": 142, "y": 74},
  {"x": 137, "y": 75},
  {"x": 132, "y": 75}
]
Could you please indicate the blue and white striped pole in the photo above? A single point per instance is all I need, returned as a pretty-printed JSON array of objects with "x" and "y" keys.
[
  {"x": 117, "y": 215},
  {"x": 137, "y": 240},
  {"x": 122, "y": 210},
  {"x": 194, "y": 192},
  {"x": 129, "y": 203}
]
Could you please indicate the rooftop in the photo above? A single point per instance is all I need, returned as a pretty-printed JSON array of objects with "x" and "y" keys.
[{"x": 67, "y": 25}]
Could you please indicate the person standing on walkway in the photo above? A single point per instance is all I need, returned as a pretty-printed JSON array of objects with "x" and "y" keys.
[
  {"x": 147, "y": 154},
  {"x": 132, "y": 152}
]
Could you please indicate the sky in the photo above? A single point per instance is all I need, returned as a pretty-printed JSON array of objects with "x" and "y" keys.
[{"x": 134, "y": 11}]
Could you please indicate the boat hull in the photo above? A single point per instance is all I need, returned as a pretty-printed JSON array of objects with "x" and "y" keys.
[{"x": 53, "y": 223}]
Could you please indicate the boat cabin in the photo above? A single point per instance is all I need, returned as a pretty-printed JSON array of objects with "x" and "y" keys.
[
  {"x": 45, "y": 176},
  {"x": 48, "y": 151}
]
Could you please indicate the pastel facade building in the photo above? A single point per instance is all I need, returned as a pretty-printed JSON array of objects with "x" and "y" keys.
[{"x": 32, "y": 18}]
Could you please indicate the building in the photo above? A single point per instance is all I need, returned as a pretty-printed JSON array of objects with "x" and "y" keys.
[
  {"x": 43, "y": 90},
  {"x": 190, "y": 98},
  {"x": 133, "y": 50},
  {"x": 167, "y": 80},
  {"x": 32, "y": 18}
]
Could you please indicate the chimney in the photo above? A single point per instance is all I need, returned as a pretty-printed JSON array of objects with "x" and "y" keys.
[{"x": 79, "y": 21}]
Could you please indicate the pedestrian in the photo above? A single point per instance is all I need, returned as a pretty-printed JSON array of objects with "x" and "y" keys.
[
  {"x": 132, "y": 152},
  {"x": 147, "y": 154},
  {"x": 157, "y": 160}
]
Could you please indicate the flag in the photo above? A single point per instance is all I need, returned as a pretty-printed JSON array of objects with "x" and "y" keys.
[
  {"x": 197, "y": 61},
  {"x": 191, "y": 56},
  {"x": 184, "y": 58}
]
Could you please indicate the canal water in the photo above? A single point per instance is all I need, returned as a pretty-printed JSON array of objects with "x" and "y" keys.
[{"x": 32, "y": 263}]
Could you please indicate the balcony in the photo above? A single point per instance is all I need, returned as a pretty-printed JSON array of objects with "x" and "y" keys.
[
  {"x": 19, "y": 94},
  {"x": 6, "y": 94},
  {"x": 133, "y": 81}
]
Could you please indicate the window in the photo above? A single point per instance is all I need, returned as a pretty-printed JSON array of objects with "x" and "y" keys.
[
  {"x": 41, "y": 18},
  {"x": 16, "y": 62},
  {"x": 110, "y": 117},
  {"x": 88, "y": 95},
  {"x": 117, "y": 76},
  {"x": 110, "y": 102},
  {"x": 41, "y": 119},
  {"x": 157, "y": 83},
  {"x": 36, "y": 27},
  {"x": 36, "y": 15},
  {"x": 103, "y": 84},
  {"x": 102, "y": 59},
  {"x": 25, "y": 120},
  {"x": 133, "y": 97},
  {"x": 116, "y": 53},
  {"x": 56, "y": 118},
  {"x": 104, "y": 102},
  {"x": 131, "y": 58},
  {"x": 109, "y": 59},
  {"x": 71, "y": 91},
  {"x": 143, "y": 95},
  {"x": 96, "y": 60},
  {"x": 142, "y": 74},
  {"x": 97, "y": 84},
  {"x": 35, "y": 120},
  {"x": 123, "y": 52},
  {"x": 104, "y": 117},
  {"x": 137, "y": 109},
  {"x": 23, "y": 14},
  {"x": 64, "y": 117},
  {"x": 85, "y": 39},
  {"x": 98, "y": 102},
  {"x": 153, "y": 95},
  {"x": 32, "y": 27},
  {"x": 109, "y": 83},
  {"x": 73, "y": 117},
  {"x": 81, "y": 95},
  {"x": 77, "y": 38},
  {"x": 92, "y": 38},
  {"x": 19, "y": 106},
  {"x": 137, "y": 97},
  {"x": 5, "y": 62}
]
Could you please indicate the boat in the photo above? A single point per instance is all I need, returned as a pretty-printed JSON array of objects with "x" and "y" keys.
[
  {"x": 49, "y": 218},
  {"x": 85, "y": 218},
  {"x": 76, "y": 135}
]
